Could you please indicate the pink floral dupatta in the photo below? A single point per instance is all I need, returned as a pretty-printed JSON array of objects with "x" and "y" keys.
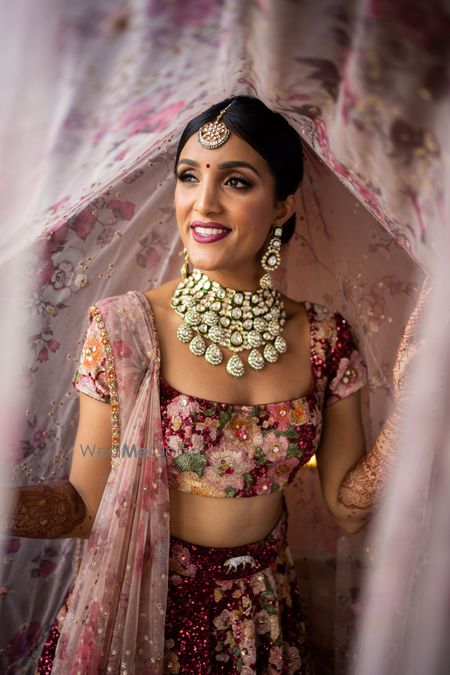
[{"x": 116, "y": 615}]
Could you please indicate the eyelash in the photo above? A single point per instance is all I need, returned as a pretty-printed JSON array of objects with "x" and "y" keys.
[{"x": 245, "y": 183}]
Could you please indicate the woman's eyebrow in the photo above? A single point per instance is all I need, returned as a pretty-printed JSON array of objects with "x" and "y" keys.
[{"x": 224, "y": 165}]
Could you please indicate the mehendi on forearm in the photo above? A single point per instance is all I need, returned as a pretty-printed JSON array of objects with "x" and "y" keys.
[
  {"x": 363, "y": 484},
  {"x": 46, "y": 511}
]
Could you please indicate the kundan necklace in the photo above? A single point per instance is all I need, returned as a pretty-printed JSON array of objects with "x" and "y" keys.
[{"x": 236, "y": 320}]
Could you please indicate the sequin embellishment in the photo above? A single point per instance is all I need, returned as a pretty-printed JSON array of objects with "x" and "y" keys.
[{"x": 112, "y": 381}]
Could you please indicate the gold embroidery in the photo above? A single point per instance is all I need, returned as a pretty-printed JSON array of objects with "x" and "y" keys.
[{"x": 112, "y": 382}]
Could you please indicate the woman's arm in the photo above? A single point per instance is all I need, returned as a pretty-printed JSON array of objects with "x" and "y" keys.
[
  {"x": 362, "y": 486},
  {"x": 352, "y": 481},
  {"x": 342, "y": 448},
  {"x": 66, "y": 508}
]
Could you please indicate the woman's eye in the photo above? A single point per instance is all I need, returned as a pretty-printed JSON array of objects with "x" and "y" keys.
[
  {"x": 238, "y": 182},
  {"x": 186, "y": 177},
  {"x": 233, "y": 181}
]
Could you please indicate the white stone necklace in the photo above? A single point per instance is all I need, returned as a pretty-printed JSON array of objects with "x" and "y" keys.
[{"x": 236, "y": 320}]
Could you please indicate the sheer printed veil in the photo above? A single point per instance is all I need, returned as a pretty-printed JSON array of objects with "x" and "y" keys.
[{"x": 94, "y": 107}]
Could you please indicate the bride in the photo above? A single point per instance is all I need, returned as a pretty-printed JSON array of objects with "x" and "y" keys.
[{"x": 227, "y": 388}]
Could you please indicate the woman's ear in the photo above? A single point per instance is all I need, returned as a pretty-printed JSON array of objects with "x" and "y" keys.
[{"x": 284, "y": 210}]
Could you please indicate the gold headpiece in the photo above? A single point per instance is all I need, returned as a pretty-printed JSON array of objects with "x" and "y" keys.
[{"x": 213, "y": 134}]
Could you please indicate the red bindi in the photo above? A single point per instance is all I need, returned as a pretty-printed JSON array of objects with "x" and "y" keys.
[{"x": 208, "y": 165}]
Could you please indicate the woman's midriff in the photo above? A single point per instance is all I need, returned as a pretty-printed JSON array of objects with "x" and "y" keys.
[{"x": 223, "y": 522}]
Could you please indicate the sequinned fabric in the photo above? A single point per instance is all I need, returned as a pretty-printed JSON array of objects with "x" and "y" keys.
[
  {"x": 227, "y": 450},
  {"x": 235, "y": 610}
]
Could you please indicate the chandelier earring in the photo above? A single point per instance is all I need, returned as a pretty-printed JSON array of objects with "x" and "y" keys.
[
  {"x": 185, "y": 271},
  {"x": 271, "y": 257}
]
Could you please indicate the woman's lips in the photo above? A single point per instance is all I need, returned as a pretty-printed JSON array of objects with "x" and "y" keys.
[{"x": 207, "y": 233}]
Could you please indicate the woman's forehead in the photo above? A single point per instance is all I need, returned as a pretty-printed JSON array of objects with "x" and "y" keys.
[{"x": 235, "y": 149}]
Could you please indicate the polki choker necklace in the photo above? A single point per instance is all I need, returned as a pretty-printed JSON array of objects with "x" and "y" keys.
[{"x": 235, "y": 320}]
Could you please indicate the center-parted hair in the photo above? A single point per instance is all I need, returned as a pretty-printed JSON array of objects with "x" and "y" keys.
[{"x": 269, "y": 133}]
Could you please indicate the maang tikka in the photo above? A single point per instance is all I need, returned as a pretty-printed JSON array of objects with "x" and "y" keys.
[{"x": 214, "y": 134}]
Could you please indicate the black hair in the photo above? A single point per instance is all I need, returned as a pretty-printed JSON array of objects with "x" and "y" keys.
[{"x": 269, "y": 133}]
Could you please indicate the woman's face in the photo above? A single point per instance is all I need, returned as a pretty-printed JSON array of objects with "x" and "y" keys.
[{"x": 225, "y": 208}]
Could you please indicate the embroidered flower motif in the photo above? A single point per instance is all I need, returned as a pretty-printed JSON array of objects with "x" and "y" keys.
[
  {"x": 280, "y": 472},
  {"x": 275, "y": 447},
  {"x": 350, "y": 376},
  {"x": 226, "y": 467},
  {"x": 276, "y": 658},
  {"x": 210, "y": 425},
  {"x": 244, "y": 633},
  {"x": 92, "y": 353},
  {"x": 284, "y": 591},
  {"x": 263, "y": 485},
  {"x": 244, "y": 429},
  {"x": 182, "y": 407},
  {"x": 280, "y": 413},
  {"x": 257, "y": 583},
  {"x": 197, "y": 442},
  {"x": 224, "y": 620},
  {"x": 262, "y": 622},
  {"x": 293, "y": 658},
  {"x": 248, "y": 670},
  {"x": 175, "y": 444},
  {"x": 180, "y": 561},
  {"x": 299, "y": 413},
  {"x": 244, "y": 637},
  {"x": 176, "y": 423}
]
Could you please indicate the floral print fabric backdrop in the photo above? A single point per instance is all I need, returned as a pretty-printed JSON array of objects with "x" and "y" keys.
[{"x": 111, "y": 85}]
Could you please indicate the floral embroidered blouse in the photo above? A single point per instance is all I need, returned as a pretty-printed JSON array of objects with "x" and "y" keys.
[{"x": 227, "y": 450}]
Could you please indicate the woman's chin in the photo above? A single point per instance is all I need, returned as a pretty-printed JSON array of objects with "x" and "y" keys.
[{"x": 206, "y": 264}]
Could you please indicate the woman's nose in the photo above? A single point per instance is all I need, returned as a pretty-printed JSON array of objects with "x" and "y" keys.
[{"x": 208, "y": 200}]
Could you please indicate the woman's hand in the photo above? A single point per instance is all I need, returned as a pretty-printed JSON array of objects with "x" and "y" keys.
[
  {"x": 66, "y": 508},
  {"x": 45, "y": 511}
]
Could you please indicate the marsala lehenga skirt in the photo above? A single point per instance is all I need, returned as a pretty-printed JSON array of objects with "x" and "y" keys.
[
  {"x": 230, "y": 610},
  {"x": 235, "y": 610}
]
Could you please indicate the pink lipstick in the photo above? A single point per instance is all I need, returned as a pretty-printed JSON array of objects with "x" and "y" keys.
[{"x": 207, "y": 233}]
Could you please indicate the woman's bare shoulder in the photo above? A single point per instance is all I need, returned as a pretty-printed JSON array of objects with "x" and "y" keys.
[{"x": 161, "y": 295}]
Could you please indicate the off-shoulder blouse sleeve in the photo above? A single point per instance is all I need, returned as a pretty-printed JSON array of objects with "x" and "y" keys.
[
  {"x": 345, "y": 367},
  {"x": 91, "y": 376}
]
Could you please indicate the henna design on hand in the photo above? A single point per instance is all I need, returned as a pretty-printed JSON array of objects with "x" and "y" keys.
[
  {"x": 363, "y": 484},
  {"x": 47, "y": 511}
]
